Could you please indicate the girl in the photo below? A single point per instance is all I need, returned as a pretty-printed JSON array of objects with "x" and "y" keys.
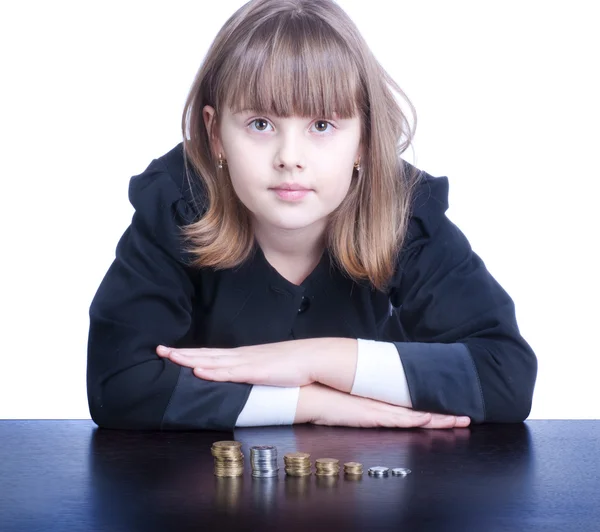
[{"x": 285, "y": 265}]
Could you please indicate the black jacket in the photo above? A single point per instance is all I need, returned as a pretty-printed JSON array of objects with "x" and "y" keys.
[{"x": 454, "y": 326}]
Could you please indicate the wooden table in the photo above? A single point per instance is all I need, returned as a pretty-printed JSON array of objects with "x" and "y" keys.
[{"x": 68, "y": 475}]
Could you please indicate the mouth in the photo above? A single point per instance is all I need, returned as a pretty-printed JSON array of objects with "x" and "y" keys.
[
  {"x": 291, "y": 194},
  {"x": 292, "y": 187}
]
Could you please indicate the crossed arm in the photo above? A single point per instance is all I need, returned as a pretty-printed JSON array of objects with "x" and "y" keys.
[{"x": 323, "y": 368}]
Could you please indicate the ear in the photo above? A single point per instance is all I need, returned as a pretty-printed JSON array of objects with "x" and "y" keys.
[
  {"x": 360, "y": 153},
  {"x": 209, "y": 116}
]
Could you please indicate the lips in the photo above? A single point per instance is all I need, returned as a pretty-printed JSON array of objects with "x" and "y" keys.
[
  {"x": 290, "y": 187},
  {"x": 291, "y": 195}
]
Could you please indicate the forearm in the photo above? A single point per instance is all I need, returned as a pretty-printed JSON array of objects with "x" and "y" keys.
[
  {"x": 322, "y": 405},
  {"x": 316, "y": 400},
  {"x": 306, "y": 407},
  {"x": 367, "y": 368},
  {"x": 334, "y": 362}
]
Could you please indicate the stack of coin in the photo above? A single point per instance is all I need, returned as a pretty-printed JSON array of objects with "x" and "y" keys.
[
  {"x": 327, "y": 467},
  {"x": 229, "y": 460},
  {"x": 378, "y": 471},
  {"x": 353, "y": 468},
  {"x": 297, "y": 464},
  {"x": 263, "y": 459},
  {"x": 400, "y": 471}
]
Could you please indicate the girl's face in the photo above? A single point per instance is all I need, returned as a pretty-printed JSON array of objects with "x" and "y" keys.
[{"x": 265, "y": 152}]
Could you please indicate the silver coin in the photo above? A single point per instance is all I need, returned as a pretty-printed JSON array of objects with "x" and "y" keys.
[
  {"x": 265, "y": 474},
  {"x": 378, "y": 471},
  {"x": 400, "y": 471}
]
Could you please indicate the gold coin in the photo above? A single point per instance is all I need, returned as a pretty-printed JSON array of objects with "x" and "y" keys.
[
  {"x": 228, "y": 456},
  {"x": 226, "y": 443},
  {"x": 296, "y": 455},
  {"x": 298, "y": 472},
  {"x": 327, "y": 461},
  {"x": 222, "y": 451},
  {"x": 226, "y": 450}
]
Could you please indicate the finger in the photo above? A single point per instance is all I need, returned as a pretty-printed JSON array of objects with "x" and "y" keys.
[
  {"x": 462, "y": 421},
  {"x": 244, "y": 373},
  {"x": 440, "y": 421},
  {"x": 449, "y": 421},
  {"x": 196, "y": 351},
  {"x": 181, "y": 360},
  {"x": 210, "y": 361},
  {"x": 208, "y": 351},
  {"x": 201, "y": 361},
  {"x": 411, "y": 418}
]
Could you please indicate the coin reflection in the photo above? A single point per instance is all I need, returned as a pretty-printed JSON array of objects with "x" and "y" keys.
[
  {"x": 228, "y": 493},
  {"x": 297, "y": 487},
  {"x": 264, "y": 492},
  {"x": 327, "y": 482},
  {"x": 353, "y": 477}
]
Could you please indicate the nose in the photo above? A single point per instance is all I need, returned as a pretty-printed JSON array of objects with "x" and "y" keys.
[{"x": 290, "y": 150}]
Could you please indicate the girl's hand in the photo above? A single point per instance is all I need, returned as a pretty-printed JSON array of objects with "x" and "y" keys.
[
  {"x": 275, "y": 364},
  {"x": 322, "y": 405}
]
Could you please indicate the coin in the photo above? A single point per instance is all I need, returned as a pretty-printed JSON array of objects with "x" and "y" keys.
[
  {"x": 263, "y": 459},
  {"x": 227, "y": 444},
  {"x": 297, "y": 464},
  {"x": 353, "y": 468},
  {"x": 229, "y": 459},
  {"x": 378, "y": 471},
  {"x": 296, "y": 456},
  {"x": 400, "y": 471},
  {"x": 327, "y": 466}
]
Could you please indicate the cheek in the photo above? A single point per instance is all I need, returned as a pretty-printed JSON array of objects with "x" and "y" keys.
[
  {"x": 337, "y": 190},
  {"x": 244, "y": 187}
]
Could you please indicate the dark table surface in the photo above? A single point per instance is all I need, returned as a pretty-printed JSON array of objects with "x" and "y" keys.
[{"x": 68, "y": 475}]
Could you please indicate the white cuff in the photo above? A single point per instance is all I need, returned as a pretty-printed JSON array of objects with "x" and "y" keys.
[
  {"x": 269, "y": 405},
  {"x": 379, "y": 373}
]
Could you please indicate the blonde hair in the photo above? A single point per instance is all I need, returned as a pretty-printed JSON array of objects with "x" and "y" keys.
[{"x": 305, "y": 58}]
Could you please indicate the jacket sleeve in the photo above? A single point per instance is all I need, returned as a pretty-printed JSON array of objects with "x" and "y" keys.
[
  {"x": 464, "y": 353},
  {"x": 146, "y": 299}
]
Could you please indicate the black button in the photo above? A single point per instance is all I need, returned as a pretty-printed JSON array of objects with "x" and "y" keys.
[{"x": 304, "y": 304}]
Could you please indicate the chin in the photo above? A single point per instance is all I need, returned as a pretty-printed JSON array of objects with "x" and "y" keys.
[{"x": 292, "y": 224}]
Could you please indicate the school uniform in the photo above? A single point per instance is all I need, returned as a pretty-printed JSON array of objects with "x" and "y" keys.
[{"x": 443, "y": 338}]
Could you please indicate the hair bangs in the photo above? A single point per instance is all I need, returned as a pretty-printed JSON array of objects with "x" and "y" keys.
[{"x": 293, "y": 66}]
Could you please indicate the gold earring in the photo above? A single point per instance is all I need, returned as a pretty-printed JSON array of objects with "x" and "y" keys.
[
  {"x": 221, "y": 161},
  {"x": 357, "y": 164}
]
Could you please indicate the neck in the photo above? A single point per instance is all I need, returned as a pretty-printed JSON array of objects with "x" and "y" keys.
[{"x": 302, "y": 244}]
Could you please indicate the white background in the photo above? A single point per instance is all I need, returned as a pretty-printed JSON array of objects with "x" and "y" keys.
[{"x": 507, "y": 102}]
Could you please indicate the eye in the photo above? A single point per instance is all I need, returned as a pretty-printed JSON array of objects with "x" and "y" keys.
[
  {"x": 257, "y": 120},
  {"x": 322, "y": 125},
  {"x": 324, "y": 122}
]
